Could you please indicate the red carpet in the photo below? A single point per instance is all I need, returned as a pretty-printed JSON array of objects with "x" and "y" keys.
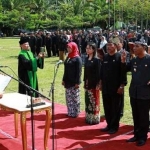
[{"x": 70, "y": 134}]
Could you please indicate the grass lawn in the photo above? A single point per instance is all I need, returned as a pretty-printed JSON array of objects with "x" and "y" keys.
[{"x": 9, "y": 50}]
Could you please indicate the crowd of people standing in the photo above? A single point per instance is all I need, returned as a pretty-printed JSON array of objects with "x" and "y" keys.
[
  {"x": 107, "y": 57},
  {"x": 55, "y": 41}
]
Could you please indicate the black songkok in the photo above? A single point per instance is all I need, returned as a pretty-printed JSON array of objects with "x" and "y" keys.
[{"x": 22, "y": 41}]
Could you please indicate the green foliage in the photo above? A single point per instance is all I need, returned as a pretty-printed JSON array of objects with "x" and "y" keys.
[
  {"x": 75, "y": 21},
  {"x": 134, "y": 9},
  {"x": 34, "y": 14}
]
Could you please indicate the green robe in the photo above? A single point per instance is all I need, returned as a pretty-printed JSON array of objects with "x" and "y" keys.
[{"x": 27, "y": 68}]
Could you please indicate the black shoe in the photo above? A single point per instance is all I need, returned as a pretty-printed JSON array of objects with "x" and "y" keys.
[
  {"x": 112, "y": 131},
  {"x": 140, "y": 142},
  {"x": 133, "y": 139},
  {"x": 105, "y": 129}
]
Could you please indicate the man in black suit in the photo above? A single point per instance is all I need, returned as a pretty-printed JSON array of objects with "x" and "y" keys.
[
  {"x": 139, "y": 92},
  {"x": 113, "y": 80},
  {"x": 32, "y": 42}
]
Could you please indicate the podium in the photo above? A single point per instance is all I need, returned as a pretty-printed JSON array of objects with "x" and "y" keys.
[{"x": 17, "y": 103}]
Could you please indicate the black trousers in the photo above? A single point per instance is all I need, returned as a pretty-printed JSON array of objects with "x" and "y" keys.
[
  {"x": 48, "y": 49},
  {"x": 122, "y": 105},
  {"x": 54, "y": 50},
  {"x": 112, "y": 110},
  {"x": 57, "y": 50},
  {"x": 140, "y": 113}
]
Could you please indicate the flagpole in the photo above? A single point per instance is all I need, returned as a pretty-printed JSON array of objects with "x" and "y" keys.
[
  {"x": 114, "y": 14},
  {"x": 108, "y": 14}
]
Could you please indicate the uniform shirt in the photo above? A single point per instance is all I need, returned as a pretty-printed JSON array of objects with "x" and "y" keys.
[
  {"x": 112, "y": 74},
  {"x": 140, "y": 69}
]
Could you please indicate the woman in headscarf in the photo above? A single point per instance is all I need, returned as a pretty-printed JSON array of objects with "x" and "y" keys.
[
  {"x": 103, "y": 43},
  {"x": 92, "y": 85},
  {"x": 72, "y": 79}
]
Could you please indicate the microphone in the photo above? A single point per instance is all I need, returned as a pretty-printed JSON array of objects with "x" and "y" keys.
[
  {"x": 59, "y": 62},
  {"x": 3, "y": 66}
]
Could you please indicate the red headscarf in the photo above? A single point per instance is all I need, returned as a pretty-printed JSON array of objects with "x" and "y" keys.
[{"x": 75, "y": 50}]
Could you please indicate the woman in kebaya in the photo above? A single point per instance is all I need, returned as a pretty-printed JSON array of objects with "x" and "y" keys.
[
  {"x": 72, "y": 79},
  {"x": 91, "y": 84}
]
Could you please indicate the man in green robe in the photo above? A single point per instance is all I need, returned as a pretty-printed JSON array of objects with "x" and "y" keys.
[{"x": 27, "y": 68}]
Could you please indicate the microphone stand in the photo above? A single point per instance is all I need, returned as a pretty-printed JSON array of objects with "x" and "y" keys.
[
  {"x": 32, "y": 125},
  {"x": 31, "y": 94},
  {"x": 52, "y": 91}
]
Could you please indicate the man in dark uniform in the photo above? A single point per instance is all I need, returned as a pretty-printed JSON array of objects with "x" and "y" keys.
[
  {"x": 54, "y": 42},
  {"x": 42, "y": 34},
  {"x": 39, "y": 42},
  {"x": 139, "y": 92},
  {"x": 57, "y": 42},
  {"x": 48, "y": 43},
  {"x": 63, "y": 39},
  {"x": 113, "y": 80},
  {"x": 32, "y": 42}
]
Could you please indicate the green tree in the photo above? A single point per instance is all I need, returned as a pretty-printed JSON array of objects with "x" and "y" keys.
[{"x": 34, "y": 14}]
